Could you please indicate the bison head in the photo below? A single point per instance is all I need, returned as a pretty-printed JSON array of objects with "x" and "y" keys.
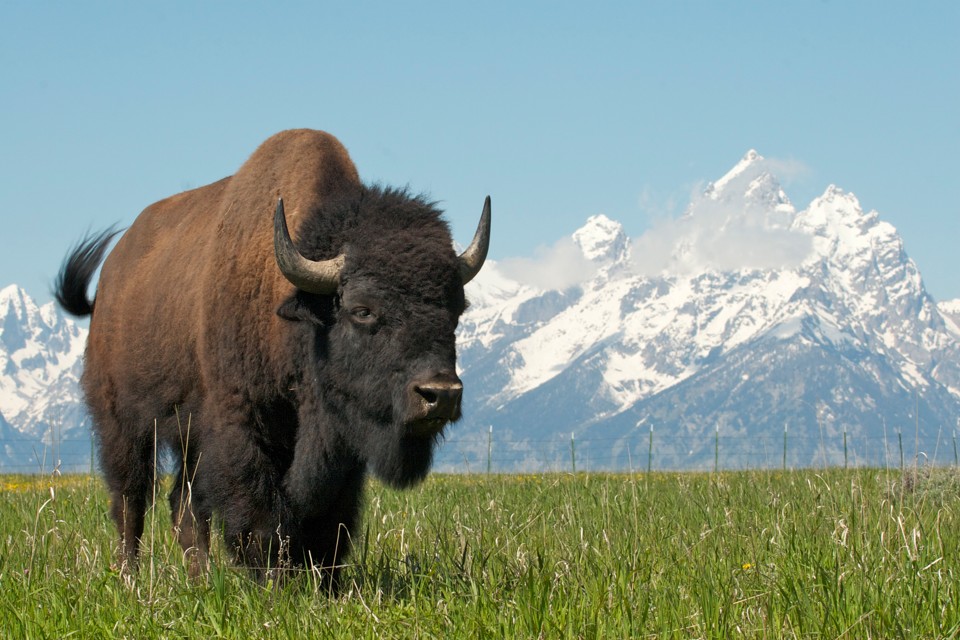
[{"x": 384, "y": 311}]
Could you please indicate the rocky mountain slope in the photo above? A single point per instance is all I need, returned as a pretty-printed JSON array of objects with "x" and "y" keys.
[
  {"x": 42, "y": 419},
  {"x": 719, "y": 330}
]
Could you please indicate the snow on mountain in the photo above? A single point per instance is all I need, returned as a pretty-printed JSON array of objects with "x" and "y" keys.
[
  {"x": 655, "y": 327},
  {"x": 950, "y": 310},
  {"x": 750, "y": 183},
  {"x": 741, "y": 221},
  {"x": 710, "y": 301},
  {"x": 40, "y": 363},
  {"x": 602, "y": 240},
  {"x": 735, "y": 320}
]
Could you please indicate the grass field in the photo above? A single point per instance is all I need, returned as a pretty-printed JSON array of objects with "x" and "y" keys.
[{"x": 818, "y": 554}]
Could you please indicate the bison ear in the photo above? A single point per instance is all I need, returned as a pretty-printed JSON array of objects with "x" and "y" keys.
[
  {"x": 291, "y": 309},
  {"x": 298, "y": 307}
]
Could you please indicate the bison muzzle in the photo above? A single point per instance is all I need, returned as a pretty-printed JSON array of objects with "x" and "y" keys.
[{"x": 280, "y": 358}]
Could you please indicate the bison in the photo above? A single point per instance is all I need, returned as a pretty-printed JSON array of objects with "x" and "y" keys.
[{"x": 278, "y": 368}]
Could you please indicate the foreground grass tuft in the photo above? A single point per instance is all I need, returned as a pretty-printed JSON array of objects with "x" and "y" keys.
[{"x": 858, "y": 554}]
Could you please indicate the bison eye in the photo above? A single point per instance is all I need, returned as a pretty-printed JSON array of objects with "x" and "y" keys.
[{"x": 362, "y": 315}]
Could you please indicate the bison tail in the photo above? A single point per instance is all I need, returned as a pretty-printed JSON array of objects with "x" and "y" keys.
[{"x": 70, "y": 287}]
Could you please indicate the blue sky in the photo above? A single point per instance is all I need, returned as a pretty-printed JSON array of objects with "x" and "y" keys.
[{"x": 558, "y": 110}]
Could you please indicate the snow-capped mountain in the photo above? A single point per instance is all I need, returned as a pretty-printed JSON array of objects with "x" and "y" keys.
[
  {"x": 744, "y": 333},
  {"x": 740, "y": 318},
  {"x": 42, "y": 419}
]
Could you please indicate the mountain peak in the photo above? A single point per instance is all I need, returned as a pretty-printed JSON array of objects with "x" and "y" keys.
[
  {"x": 13, "y": 294},
  {"x": 838, "y": 214},
  {"x": 751, "y": 181},
  {"x": 748, "y": 164},
  {"x": 601, "y": 239},
  {"x": 16, "y": 306}
]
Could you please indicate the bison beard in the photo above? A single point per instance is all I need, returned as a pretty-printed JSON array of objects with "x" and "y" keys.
[{"x": 277, "y": 371}]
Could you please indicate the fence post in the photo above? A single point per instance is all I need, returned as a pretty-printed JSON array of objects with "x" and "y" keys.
[
  {"x": 573, "y": 454},
  {"x": 900, "y": 440},
  {"x": 886, "y": 449},
  {"x": 716, "y": 447},
  {"x": 489, "y": 447},
  {"x": 844, "y": 446},
  {"x": 955, "y": 461},
  {"x": 784, "y": 446},
  {"x": 650, "y": 451}
]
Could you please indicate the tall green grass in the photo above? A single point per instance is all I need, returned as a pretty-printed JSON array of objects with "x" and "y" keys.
[{"x": 812, "y": 554}]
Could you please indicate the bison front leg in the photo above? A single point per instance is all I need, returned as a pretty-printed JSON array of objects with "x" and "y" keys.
[
  {"x": 324, "y": 487},
  {"x": 241, "y": 480},
  {"x": 326, "y": 537}
]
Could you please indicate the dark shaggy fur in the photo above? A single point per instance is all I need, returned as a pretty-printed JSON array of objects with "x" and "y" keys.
[{"x": 276, "y": 401}]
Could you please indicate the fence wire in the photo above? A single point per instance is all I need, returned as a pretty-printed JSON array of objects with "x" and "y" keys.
[{"x": 640, "y": 451}]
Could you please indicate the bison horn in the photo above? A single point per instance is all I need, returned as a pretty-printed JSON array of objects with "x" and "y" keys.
[
  {"x": 472, "y": 258},
  {"x": 321, "y": 276}
]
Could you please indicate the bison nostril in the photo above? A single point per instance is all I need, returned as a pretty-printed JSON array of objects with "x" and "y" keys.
[
  {"x": 427, "y": 394},
  {"x": 438, "y": 398}
]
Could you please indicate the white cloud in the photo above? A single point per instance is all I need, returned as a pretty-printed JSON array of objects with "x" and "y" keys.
[
  {"x": 787, "y": 170},
  {"x": 749, "y": 227},
  {"x": 559, "y": 266},
  {"x": 742, "y": 221},
  {"x": 657, "y": 205},
  {"x": 723, "y": 236}
]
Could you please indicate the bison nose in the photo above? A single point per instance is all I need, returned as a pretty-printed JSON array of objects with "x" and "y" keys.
[{"x": 437, "y": 399}]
